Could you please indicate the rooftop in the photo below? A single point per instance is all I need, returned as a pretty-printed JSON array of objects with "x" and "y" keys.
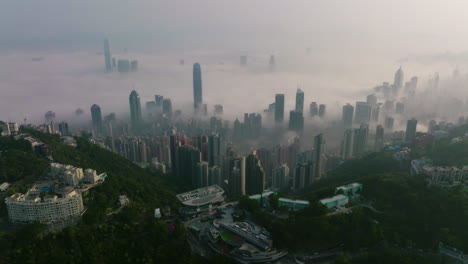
[
  {"x": 333, "y": 199},
  {"x": 201, "y": 196}
]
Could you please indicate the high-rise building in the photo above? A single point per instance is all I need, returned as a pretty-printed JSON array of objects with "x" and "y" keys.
[
  {"x": 237, "y": 176},
  {"x": 280, "y": 178},
  {"x": 296, "y": 121},
  {"x": 389, "y": 123},
  {"x": 123, "y": 65},
  {"x": 254, "y": 175},
  {"x": 322, "y": 110},
  {"x": 266, "y": 160},
  {"x": 398, "y": 81},
  {"x": 167, "y": 107},
  {"x": 313, "y": 109},
  {"x": 348, "y": 144},
  {"x": 97, "y": 119},
  {"x": 388, "y": 106},
  {"x": 134, "y": 65},
  {"x": 202, "y": 175},
  {"x": 319, "y": 156},
  {"x": 135, "y": 108},
  {"x": 63, "y": 128},
  {"x": 379, "y": 138},
  {"x": 107, "y": 55},
  {"x": 304, "y": 175},
  {"x": 363, "y": 113},
  {"x": 187, "y": 158},
  {"x": 360, "y": 140},
  {"x": 299, "y": 101},
  {"x": 411, "y": 130},
  {"x": 218, "y": 109},
  {"x": 214, "y": 150},
  {"x": 400, "y": 108},
  {"x": 375, "y": 113},
  {"x": 279, "y": 108},
  {"x": 371, "y": 99},
  {"x": 197, "y": 86},
  {"x": 348, "y": 111}
]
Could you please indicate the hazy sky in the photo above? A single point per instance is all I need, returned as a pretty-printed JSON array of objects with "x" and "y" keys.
[{"x": 354, "y": 45}]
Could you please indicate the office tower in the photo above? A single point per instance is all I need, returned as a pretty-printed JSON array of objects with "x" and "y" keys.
[
  {"x": 400, "y": 108},
  {"x": 296, "y": 121},
  {"x": 322, "y": 110},
  {"x": 107, "y": 55},
  {"x": 411, "y": 130},
  {"x": 299, "y": 101},
  {"x": 236, "y": 176},
  {"x": 363, "y": 113},
  {"x": 197, "y": 86},
  {"x": 97, "y": 119},
  {"x": 389, "y": 123},
  {"x": 254, "y": 175},
  {"x": 266, "y": 160},
  {"x": 319, "y": 153},
  {"x": 218, "y": 109},
  {"x": 388, "y": 106},
  {"x": 371, "y": 99},
  {"x": 272, "y": 62},
  {"x": 135, "y": 108},
  {"x": 167, "y": 107},
  {"x": 398, "y": 81},
  {"x": 279, "y": 108},
  {"x": 360, "y": 140},
  {"x": 215, "y": 176},
  {"x": 375, "y": 113},
  {"x": 280, "y": 178},
  {"x": 348, "y": 111},
  {"x": 134, "y": 65},
  {"x": 123, "y": 65},
  {"x": 63, "y": 128},
  {"x": 202, "y": 175},
  {"x": 158, "y": 99},
  {"x": 313, "y": 109},
  {"x": 150, "y": 108},
  {"x": 214, "y": 150},
  {"x": 379, "y": 138},
  {"x": 304, "y": 175},
  {"x": 187, "y": 158},
  {"x": 348, "y": 144},
  {"x": 243, "y": 60}
]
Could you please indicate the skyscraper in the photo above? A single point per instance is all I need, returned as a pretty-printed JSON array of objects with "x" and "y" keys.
[
  {"x": 135, "y": 108},
  {"x": 360, "y": 140},
  {"x": 236, "y": 176},
  {"x": 363, "y": 113},
  {"x": 201, "y": 175},
  {"x": 389, "y": 123},
  {"x": 97, "y": 119},
  {"x": 254, "y": 175},
  {"x": 319, "y": 152},
  {"x": 279, "y": 108},
  {"x": 348, "y": 111},
  {"x": 197, "y": 86},
  {"x": 296, "y": 121},
  {"x": 107, "y": 55},
  {"x": 348, "y": 144},
  {"x": 303, "y": 175},
  {"x": 371, "y": 99},
  {"x": 214, "y": 150},
  {"x": 280, "y": 177},
  {"x": 167, "y": 107},
  {"x": 379, "y": 138},
  {"x": 398, "y": 81},
  {"x": 299, "y": 101},
  {"x": 322, "y": 110},
  {"x": 313, "y": 109},
  {"x": 400, "y": 108},
  {"x": 411, "y": 130},
  {"x": 187, "y": 158}
]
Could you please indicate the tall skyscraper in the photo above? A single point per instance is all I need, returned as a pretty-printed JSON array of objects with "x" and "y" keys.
[
  {"x": 389, "y": 123},
  {"x": 135, "y": 108},
  {"x": 280, "y": 177},
  {"x": 279, "y": 108},
  {"x": 319, "y": 153},
  {"x": 214, "y": 150},
  {"x": 197, "y": 86},
  {"x": 97, "y": 119},
  {"x": 254, "y": 175},
  {"x": 363, "y": 113},
  {"x": 348, "y": 111},
  {"x": 201, "y": 175},
  {"x": 167, "y": 107},
  {"x": 360, "y": 140},
  {"x": 379, "y": 138},
  {"x": 296, "y": 121},
  {"x": 299, "y": 101},
  {"x": 400, "y": 108},
  {"x": 303, "y": 175},
  {"x": 398, "y": 81},
  {"x": 371, "y": 99},
  {"x": 348, "y": 144},
  {"x": 63, "y": 128},
  {"x": 187, "y": 158},
  {"x": 107, "y": 55},
  {"x": 411, "y": 130},
  {"x": 322, "y": 110},
  {"x": 313, "y": 109},
  {"x": 236, "y": 176}
]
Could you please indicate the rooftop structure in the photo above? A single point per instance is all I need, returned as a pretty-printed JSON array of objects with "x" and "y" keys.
[
  {"x": 293, "y": 204},
  {"x": 350, "y": 189},
  {"x": 202, "y": 196},
  {"x": 335, "y": 201}
]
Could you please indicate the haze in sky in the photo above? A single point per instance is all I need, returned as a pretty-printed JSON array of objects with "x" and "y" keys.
[{"x": 337, "y": 51}]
